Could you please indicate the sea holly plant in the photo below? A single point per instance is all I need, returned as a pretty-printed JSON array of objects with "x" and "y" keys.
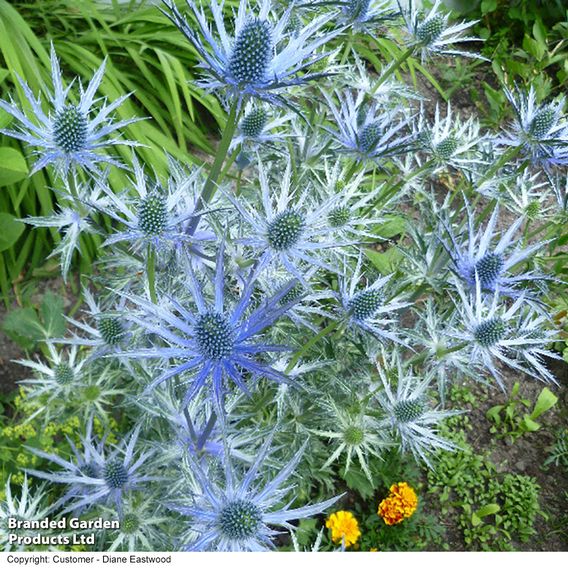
[{"x": 285, "y": 320}]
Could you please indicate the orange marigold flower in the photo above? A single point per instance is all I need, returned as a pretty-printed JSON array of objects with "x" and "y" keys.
[
  {"x": 399, "y": 505},
  {"x": 343, "y": 525}
]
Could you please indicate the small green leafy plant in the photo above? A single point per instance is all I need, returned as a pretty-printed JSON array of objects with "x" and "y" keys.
[{"x": 512, "y": 419}]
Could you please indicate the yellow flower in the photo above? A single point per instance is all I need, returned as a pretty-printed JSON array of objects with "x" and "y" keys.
[
  {"x": 399, "y": 505},
  {"x": 343, "y": 525}
]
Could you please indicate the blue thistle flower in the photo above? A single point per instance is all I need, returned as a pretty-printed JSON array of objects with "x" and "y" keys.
[
  {"x": 514, "y": 335},
  {"x": 370, "y": 309},
  {"x": 408, "y": 410},
  {"x": 95, "y": 474},
  {"x": 258, "y": 127},
  {"x": 362, "y": 15},
  {"x": 433, "y": 33},
  {"x": 263, "y": 58},
  {"x": 292, "y": 231},
  {"x": 157, "y": 216},
  {"x": 366, "y": 130},
  {"x": 212, "y": 343},
  {"x": 238, "y": 514},
  {"x": 68, "y": 135},
  {"x": 476, "y": 257},
  {"x": 450, "y": 141},
  {"x": 108, "y": 335},
  {"x": 540, "y": 130}
]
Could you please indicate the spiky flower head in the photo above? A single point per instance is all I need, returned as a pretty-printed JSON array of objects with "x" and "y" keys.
[
  {"x": 408, "y": 412},
  {"x": 539, "y": 130},
  {"x": 71, "y": 134},
  {"x": 142, "y": 527},
  {"x": 96, "y": 474},
  {"x": 368, "y": 130},
  {"x": 254, "y": 122},
  {"x": 260, "y": 126},
  {"x": 432, "y": 32},
  {"x": 291, "y": 229},
  {"x": 356, "y": 435},
  {"x": 157, "y": 214},
  {"x": 238, "y": 514},
  {"x": 108, "y": 331},
  {"x": 31, "y": 505},
  {"x": 515, "y": 334},
  {"x": 209, "y": 340},
  {"x": 370, "y": 309},
  {"x": 261, "y": 59},
  {"x": 55, "y": 379},
  {"x": 448, "y": 140},
  {"x": 476, "y": 256}
]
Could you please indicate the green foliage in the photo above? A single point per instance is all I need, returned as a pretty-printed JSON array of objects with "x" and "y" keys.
[
  {"x": 510, "y": 420},
  {"x": 493, "y": 510},
  {"x": 559, "y": 451},
  {"x": 27, "y": 326},
  {"x": 526, "y": 42}
]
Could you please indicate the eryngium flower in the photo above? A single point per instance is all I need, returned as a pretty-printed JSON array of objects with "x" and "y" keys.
[
  {"x": 157, "y": 216},
  {"x": 366, "y": 130},
  {"x": 408, "y": 412},
  {"x": 110, "y": 331},
  {"x": 448, "y": 140},
  {"x": 289, "y": 228},
  {"x": 432, "y": 32},
  {"x": 515, "y": 335},
  {"x": 210, "y": 342},
  {"x": 474, "y": 256},
  {"x": 258, "y": 127},
  {"x": 354, "y": 434},
  {"x": 540, "y": 130},
  {"x": 57, "y": 379},
  {"x": 369, "y": 309},
  {"x": 94, "y": 474},
  {"x": 28, "y": 507},
  {"x": 262, "y": 58},
  {"x": 239, "y": 514},
  {"x": 70, "y": 134}
]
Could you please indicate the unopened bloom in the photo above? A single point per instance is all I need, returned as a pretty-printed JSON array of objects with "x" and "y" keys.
[
  {"x": 259, "y": 127},
  {"x": 355, "y": 435},
  {"x": 70, "y": 134},
  {"x": 344, "y": 528},
  {"x": 400, "y": 504}
]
